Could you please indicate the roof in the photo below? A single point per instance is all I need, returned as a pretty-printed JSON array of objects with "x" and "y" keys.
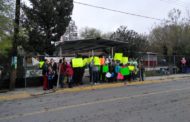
[
  {"x": 89, "y": 44},
  {"x": 151, "y": 53}
]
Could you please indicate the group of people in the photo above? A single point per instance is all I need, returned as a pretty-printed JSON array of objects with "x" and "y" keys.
[
  {"x": 108, "y": 71},
  {"x": 114, "y": 71},
  {"x": 53, "y": 71}
]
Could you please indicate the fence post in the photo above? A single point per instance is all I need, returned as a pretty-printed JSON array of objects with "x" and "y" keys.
[
  {"x": 174, "y": 64},
  {"x": 59, "y": 66},
  {"x": 25, "y": 70}
]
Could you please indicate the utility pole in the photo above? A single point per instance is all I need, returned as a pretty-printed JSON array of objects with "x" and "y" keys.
[
  {"x": 59, "y": 66},
  {"x": 14, "y": 49}
]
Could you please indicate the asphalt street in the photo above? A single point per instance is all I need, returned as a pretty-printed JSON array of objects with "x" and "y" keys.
[{"x": 160, "y": 102}]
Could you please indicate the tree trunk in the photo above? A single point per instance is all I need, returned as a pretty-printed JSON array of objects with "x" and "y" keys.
[{"x": 14, "y": 49}]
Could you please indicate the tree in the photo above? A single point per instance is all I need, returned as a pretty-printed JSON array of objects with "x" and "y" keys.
[
  {"x": 159, "y": 40},
  {"x": 6, "y": 32},
  {"x": 71, "y": 32},
  {"x": 89, "y": 33},
  {"x": 6, "y": 25},
  {"x": 5, "y": 45},
  {"x": 171, "y": 37},
  {"x": 46, "y": 21},
  {"x": 14, "y": 63},
  {"x": 107, "y": 35},
  {"x": 136, "y": 42},
  {"x": 174, "y": 16}
]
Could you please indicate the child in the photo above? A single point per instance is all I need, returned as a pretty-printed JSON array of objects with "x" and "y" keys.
[
  {"x": 117, "y": 71},
  {"x": 110, "y": 75},
  {"x": 69, "y": 73},
  {"x": 50, "y": 75},
  {"x": 125, "y": 77}
]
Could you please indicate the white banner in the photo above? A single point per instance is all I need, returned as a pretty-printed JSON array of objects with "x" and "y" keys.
[{"x": 33, "y": 73}]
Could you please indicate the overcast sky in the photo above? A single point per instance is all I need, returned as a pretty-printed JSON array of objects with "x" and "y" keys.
[{"x": 107, "y": 21}]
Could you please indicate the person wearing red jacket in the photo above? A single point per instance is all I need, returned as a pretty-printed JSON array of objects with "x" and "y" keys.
[
  {"x": 62, "y": 68},
  {"x": 69, "y": 74}
]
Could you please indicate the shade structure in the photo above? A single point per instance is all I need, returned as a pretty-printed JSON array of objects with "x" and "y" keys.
[{"x": 89, "y": 44}]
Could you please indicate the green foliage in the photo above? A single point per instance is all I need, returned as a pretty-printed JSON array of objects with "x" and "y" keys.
[
  {"x": 171, "y": 37},
  {"x": 5, "y": 46},
  {"x": 6, "y": 17},
  {"x": 136, "y": 42},
  {"x": 46, "y": 21},
  {"x": 106, "y": 35},
  {"x": 6, "y": 26},
  {"x": 90, "y": 33}
]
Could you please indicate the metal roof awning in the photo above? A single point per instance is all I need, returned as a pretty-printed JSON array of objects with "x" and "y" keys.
[{"x": 89, "y": 44}]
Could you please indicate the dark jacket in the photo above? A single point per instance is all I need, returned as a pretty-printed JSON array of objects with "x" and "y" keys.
[{"x": 45, "y": 69}]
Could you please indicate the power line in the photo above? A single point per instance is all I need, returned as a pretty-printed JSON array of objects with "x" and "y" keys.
[{"x": 118, "y": 11}]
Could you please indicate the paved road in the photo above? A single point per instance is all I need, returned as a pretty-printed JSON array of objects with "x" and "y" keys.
[{"x": 161, "y": 102}]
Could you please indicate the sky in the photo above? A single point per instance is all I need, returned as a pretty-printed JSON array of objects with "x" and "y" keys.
[{"x": 108, "y": 21}]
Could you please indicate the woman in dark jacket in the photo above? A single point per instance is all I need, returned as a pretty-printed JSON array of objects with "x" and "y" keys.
[{"x": 44, "y": 73}]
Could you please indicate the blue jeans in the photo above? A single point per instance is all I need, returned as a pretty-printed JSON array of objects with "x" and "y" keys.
[
  {"x": 95, "y": 76},
  {"x": 141, "y": 75},
  {"x": 70, "y": 81},
  {"x": 61, "y": 80},
  {"x": 183, "y": 69}
]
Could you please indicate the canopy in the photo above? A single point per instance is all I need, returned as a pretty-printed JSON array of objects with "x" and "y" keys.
[{"x": 89, "y": 44}]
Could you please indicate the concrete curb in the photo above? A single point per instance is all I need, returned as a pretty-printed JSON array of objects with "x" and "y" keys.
[{"x": 24, "y": 94}]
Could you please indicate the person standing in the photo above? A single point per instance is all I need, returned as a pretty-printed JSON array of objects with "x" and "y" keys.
[
  {"x": 90, "y": 72},
  {"x": 62, "y": 69},
  {"x": 50, "y": 75},
  {"x": 125, "y": 77},
  {"x": 95, "y": 72},
  {"x": 183, "y": 65},
  {"x": 80, "y": 75},
  {"x": 141, "y": 71},
  {"x": 77, "y": 75},
  {"x": 102, "y": 74},
  {"x": 63, "y": 72},
  {"x": 44, "y": 73},
  {"x": 53, "y": 65},
  {"x": 117, "y": 70},
  {"x": 69, "y": 74}
]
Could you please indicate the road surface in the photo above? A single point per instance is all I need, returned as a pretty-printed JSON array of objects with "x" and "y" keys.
[{"x": 160, "y": 102}]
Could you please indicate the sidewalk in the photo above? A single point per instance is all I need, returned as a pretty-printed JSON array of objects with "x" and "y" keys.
[{"x": 37, "y": 91}]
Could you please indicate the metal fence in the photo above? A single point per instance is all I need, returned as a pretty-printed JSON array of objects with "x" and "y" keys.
[
  {"x": 154, "y": 65},
  {"x": 4, "y": 71},
  {"x": 27, "y": 74},
  {"x": 164, "y": 65}
]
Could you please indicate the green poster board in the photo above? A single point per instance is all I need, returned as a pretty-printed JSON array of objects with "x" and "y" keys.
[
  {"x": 125, "y": 71},
  {"x": 105, "y": 69}
]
